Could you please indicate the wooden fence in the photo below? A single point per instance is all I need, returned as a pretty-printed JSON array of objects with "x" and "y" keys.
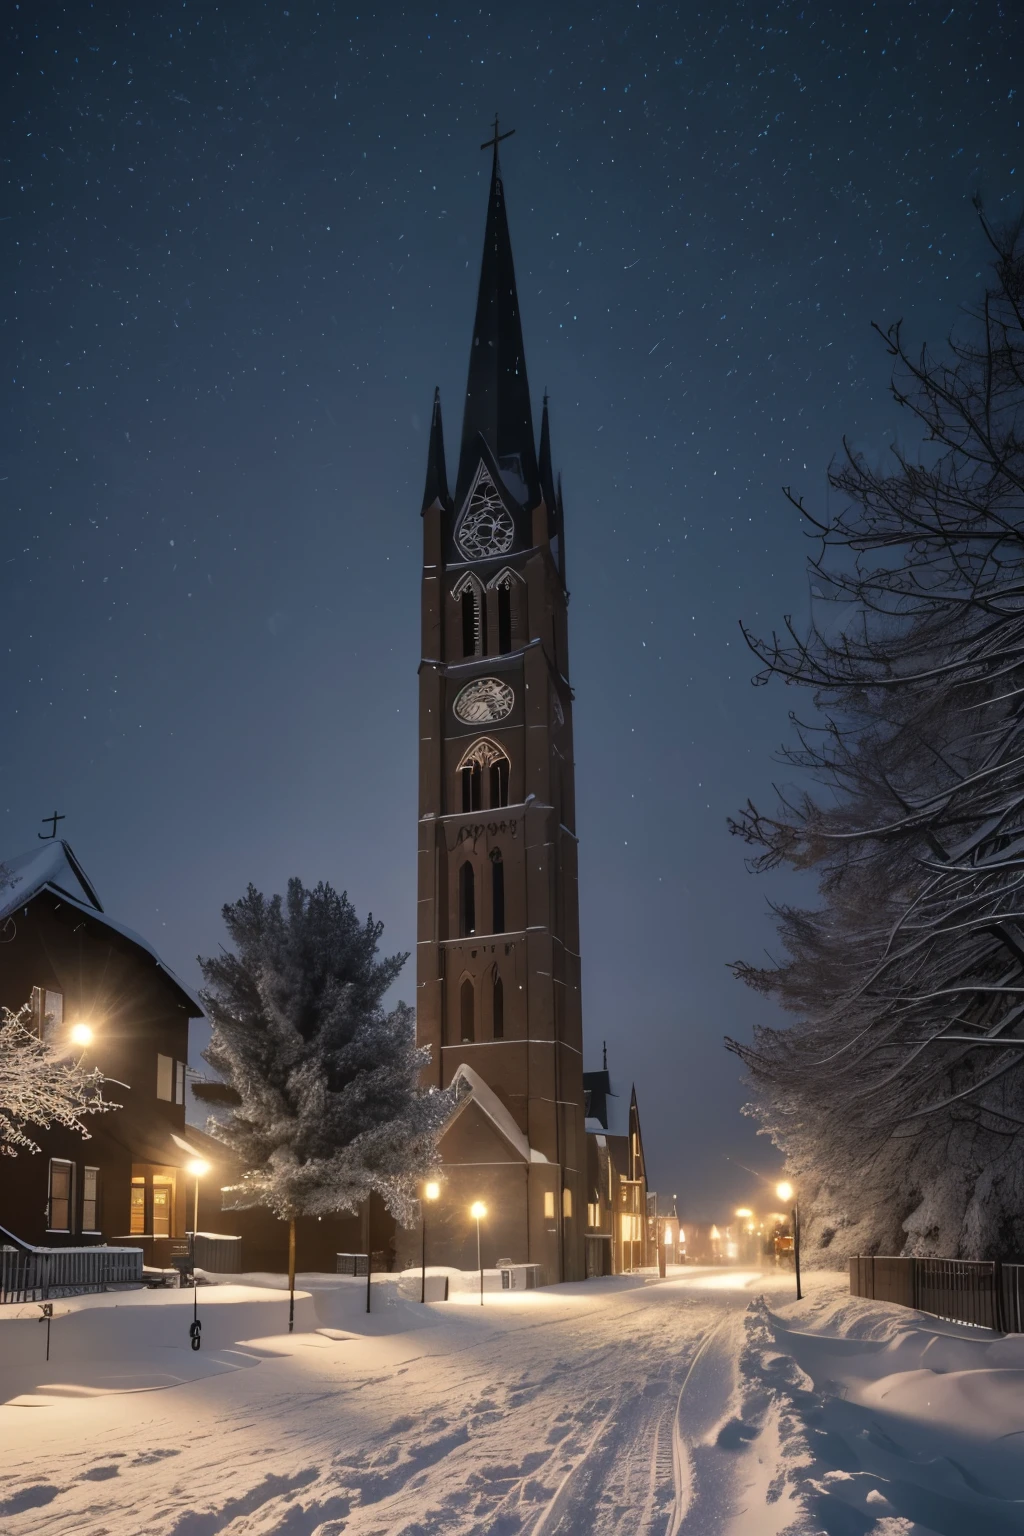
[
  {"x": 986, "y": 1293},
  {"x": 37, "y": 1274}
]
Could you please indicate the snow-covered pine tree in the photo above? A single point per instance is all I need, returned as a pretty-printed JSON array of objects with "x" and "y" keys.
[
  {"x": 38, "y": 1086},
  {"x": 893, "y": 1093},
  {"x": 329, "y": 1109}
]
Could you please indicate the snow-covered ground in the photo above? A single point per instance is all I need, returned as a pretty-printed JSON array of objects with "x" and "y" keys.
[{"x": 709, "y": 1404}]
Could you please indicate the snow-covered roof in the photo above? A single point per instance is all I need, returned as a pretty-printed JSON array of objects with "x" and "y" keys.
[
  {"x": 55, "y": 868},
  {"x": 494, "y": 1109}
]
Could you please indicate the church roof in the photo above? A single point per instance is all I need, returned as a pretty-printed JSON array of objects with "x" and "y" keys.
[
  {"x": 497, "y": 392},
  {"x": 477, "y": 1091},
  {"x": 53, "y": 867}
]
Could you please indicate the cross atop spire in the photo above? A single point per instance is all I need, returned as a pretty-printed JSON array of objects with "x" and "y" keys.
[{"x": 497, "y": 139}]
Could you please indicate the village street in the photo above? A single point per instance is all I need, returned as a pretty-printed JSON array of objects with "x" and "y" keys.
[{"x": 551, "y": 1412}]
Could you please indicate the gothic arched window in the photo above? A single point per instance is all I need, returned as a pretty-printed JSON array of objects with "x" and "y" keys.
[
  {"x": 497, "y": 892},
  {"x": 505, "y": 587},
  {"x": 467, "y": 1011},
  {"x": 484, "y": 757},
  {"x": 472, "y": 786},
  {"x": 498, "y": 1007},
  {"x": 504, "y": 620},
  {"x": 469, "y": 595},
  {"x": 498, "y": 774},
  {"x": 467, "y": 900}
]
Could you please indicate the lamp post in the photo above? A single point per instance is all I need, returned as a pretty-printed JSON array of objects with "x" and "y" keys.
[
  {"x": 478, "y": 1210},
  {"x": 430, "y": 1192},
  {"x": 786, "y": 1192},
  {"x": 197, "y": 1167}
]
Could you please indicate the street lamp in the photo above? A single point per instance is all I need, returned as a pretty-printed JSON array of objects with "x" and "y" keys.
[
  {"x": 80, "y": 1034},
  {"x": 197, "y": 1167},
  {"x": 786, "y": 1193},
  {"x": 478, "y": 1210},
  {"x": 431, "y": 1191}
]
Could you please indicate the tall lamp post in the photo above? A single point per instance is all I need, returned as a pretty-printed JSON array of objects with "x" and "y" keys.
[
  {"x": 430, "y": 1192},
  {"x": 478, "y": 1210},
  {"x": 786, "y": 1193},
  {"x": 197, "y": 1167}
]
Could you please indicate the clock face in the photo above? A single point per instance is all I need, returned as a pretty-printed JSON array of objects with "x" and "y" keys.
[
  {"x": 485, "y": 527},
  {"x": 483, "y": 701}
]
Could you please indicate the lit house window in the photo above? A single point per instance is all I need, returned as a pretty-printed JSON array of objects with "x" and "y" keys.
[
  {"x": 630, "y": 1229},
  {"x": 593, "y": 1213},
  {"x": 567, "y": 1203},
  {"x": 179, "y": 1082},
  {"x": 138, "y": 1211},
  {"x": 90, "y": 1199},
  {"x": 165, "y": 1078},
  {"x": 58, "y": 1212},
  {"x": 549, "y": 1204}
]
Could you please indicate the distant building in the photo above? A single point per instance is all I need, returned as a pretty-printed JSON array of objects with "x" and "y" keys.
[
  {"x": 75, "y": 964},
  {"x": 618, "y": 1235}
]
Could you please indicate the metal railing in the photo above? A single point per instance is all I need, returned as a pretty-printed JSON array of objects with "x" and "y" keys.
[
  {"x": 39, "y": 1274},
  {"x": 984, "y": 1293}
]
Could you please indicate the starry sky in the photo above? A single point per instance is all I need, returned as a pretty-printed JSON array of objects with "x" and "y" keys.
[{"x": 241, "y": 245}]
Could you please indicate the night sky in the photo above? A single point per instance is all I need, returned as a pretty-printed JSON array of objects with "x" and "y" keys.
[{"x": 241, "y": 246}]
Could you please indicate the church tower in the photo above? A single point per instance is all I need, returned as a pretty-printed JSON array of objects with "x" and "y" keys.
[{"x": 498, "y": 966}]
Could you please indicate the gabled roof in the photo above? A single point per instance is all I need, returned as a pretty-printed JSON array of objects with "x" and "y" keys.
[
  {"x": 54, "y": 869},
  {"x": 477, "y": 1091}
]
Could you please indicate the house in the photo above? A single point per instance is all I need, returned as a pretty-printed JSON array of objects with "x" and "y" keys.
[
  {"x": 75, "y": 965},
  {"x": 618, "y": 1238}
]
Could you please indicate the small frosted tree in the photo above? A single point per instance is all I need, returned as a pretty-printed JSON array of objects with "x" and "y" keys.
[
  {"x": 38, "y": 1086},
  {"x": 326, "y": 1107}
]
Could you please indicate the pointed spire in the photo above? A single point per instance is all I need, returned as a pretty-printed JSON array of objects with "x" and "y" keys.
[
  {"x": 436, "y": 488},
  {"x": 547, "y": 479},
  {"x": 497, "y": 393}
]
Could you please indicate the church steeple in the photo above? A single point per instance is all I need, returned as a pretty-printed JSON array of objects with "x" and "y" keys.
[{"x": 497, "y": 392}]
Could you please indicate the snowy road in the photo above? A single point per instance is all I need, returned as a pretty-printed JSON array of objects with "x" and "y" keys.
[{"x": 554, "y": 1414}]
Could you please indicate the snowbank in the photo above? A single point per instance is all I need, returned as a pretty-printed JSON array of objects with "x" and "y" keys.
[{"x": 846, "y": 1416}]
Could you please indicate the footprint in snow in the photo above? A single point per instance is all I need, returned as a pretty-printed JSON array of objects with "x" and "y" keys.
[
  {"x": 32, "y": 1497},
  {"x": 98, "y": 1474}
]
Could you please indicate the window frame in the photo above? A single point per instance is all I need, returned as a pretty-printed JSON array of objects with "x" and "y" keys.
[
  {"x": 69, "y": 1198},
  {"x": 93, "y": 1199}
]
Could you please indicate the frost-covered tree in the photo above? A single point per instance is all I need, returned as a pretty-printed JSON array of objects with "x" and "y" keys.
[
  {"x": 893, "y": 1093},
  {"x": 328, "y": 1106},
  {"x": 38, "y": 1086}
]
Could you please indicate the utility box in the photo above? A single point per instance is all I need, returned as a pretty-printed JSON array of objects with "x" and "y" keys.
[{"x": 519, "y": 1277}]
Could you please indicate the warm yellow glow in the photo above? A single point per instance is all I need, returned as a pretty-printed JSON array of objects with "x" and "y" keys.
[
  {"x": 784, "y": 1190},
  {"x": 197, "y": 1167},
  {"x": 80, "y": 1034},
  {"x": 744, "y": 1210},
  {"x": 478, "y": 1210},
  {"x": 668, "y": 1237},
  {"x": 431, "y": 1191}
]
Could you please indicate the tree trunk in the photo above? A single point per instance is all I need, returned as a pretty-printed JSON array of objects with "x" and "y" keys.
[{"x": 291, "y": 1275}]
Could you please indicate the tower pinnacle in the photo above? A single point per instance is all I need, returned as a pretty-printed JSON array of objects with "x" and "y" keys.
[{"x": 497, "y": 391}]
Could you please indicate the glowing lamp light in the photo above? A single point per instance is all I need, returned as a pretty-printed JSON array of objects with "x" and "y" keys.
[
  {"x": 80, "y": 1034},
  {"x": 432, "y": 1190},
  {"x": 784, "y": 1190},
  {"x": 744, "y": 1211},
  {"x": 197, "y": 1167},
  {"x": 478, "y": 1210}
]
